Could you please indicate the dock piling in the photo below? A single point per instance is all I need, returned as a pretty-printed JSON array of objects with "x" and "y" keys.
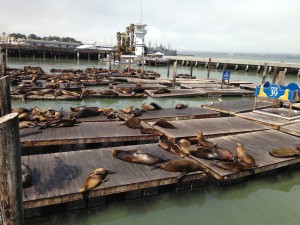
[
  {"x": 174, "y": 73},
  {"x": 264, "y": 73},
  {"x": 191, "y": 70},
  {"x": 208, "y": 67}
]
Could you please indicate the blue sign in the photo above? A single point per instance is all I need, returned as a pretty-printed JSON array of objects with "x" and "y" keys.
[{"x": 226, "y": 75}]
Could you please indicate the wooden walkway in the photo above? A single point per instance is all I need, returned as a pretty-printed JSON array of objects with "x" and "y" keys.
[
  {"x": 211, "y": 127},
  {"x": 258, "y": 144},
  {"x": 178, "y": 93},
  {"x": 233, "y": 107},
  {"x": 88, "y": 132},
  {"x": 266, "y": 119},
  {"x": 175, "y": 114},
  {"x": 59, "y": 176}
]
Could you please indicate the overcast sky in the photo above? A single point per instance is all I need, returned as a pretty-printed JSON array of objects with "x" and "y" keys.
[{"x": 256, "y": 26}]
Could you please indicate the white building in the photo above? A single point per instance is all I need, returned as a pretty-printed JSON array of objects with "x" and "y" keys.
[{"x": 139, "y": 37}]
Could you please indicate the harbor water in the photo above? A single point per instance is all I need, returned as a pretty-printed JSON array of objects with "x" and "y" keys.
[{"x": 267, "y": 200}]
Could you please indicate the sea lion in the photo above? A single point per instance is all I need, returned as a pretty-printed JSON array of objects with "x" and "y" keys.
[
  {"x": 225, "y": 154},
  {"x": 111, "y": 115},
  {"x": 136, "y": 112},
  {"x": 182, "y": 165},
  {"x": 205, "y": 153},
  {"x": 164, "y": 124},
  {"x": 161, "y": 91},
  {"x": 26, "y": 176},
  {"x": 136, "y": 156},
  {"x": 151, "y": 131},
  {"x": 234, "y": 166},
  {"x": 133, "y": 123},
  {"x": 128, "y": 110},
  {"x": 165, "y": 142},
  {"x": 109, "y": 93},
  {"x": 94, "y": 179},
  {"x": 175, "y": 148},
  {"x": 185, "y": 146},
  {"x": 147, "y": 107},
  {"x": 202, "y": 141},
  {"x": 86, "y": 112},
  {"x": 181, "y": 106},
  {"x": 156, "y": 106},
  {"x": 20, "y": 110},
  {"x": 242, "y": 156},
  {"x": 60, "y": 123},
  {"x": 284, "y": 152},
  {"x": 26, "y": 124}
]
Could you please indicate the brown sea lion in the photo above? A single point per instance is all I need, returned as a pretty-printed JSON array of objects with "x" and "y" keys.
[
  {"x": 161, "y": 91},
  {"x": 60, "y": 123},
  {"x": 128, "y": 110},
  {"x": 26, "y": 124},
  {"x": 136, "y": 112},
  {"x": 26, "y": 117},
  {"x": 284, "y": 152},
  {"x": 20, "y": 110},
  {"x": 156, "y": 106},
  {"x": 109, "y": 93},
  {"x": 225, "y": 154},
  {"x": 86, "y": 112},
  {"x": 133, "y": 123},
  {"x": 185, "y": 146},
  {"x": 136, "y": 156},
  {"x": 151, "y": 131},
  {"x": 105, "y": 111},
  {"x": 26, "y": 176},
  {"x": 205, "y": 153},
  {"x": 164, "y": 124},
  {"x": 234, "y": 166},
  {"x": 242, "y": 156},
  {"x": 181, "y": 106},
  {"x": 182, "y": 165},
  {"x": 147, "y": 107},
  {"x": 202, "y": 141},
  {"x": 94, "y": 179},
  {"x": 175, "y": 148}
]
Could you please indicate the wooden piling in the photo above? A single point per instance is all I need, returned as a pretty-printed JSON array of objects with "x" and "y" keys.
[
  {"x": 274, "y": 75},
  {"x": 5, "y": 104},
  {"x": 191, "y": 70},
  {"x": 264, "y": 73},
  {"x": 11, "y": 197},
  {"x": 174, "y": 72},
  {"x": 208, "y": 67},
  {"x": 109, "y": 58},
  {"x": 168, "y": 73}
]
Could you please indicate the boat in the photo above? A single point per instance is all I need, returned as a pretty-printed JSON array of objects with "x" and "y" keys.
[{"x": 156, "y": 59}]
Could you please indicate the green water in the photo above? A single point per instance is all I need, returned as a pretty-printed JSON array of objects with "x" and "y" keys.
[{"x": 269, "y": 200}]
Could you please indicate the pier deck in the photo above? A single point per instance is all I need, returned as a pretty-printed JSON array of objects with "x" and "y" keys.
[
  {"x": 145, "y": 86},
  {"x": 88, "y": 132},
  {"x": 257, "y": 144},
  {"x": 59, "y": 176},
  {"x": 211, "y": 127},
  {"x": 293, "y": 129},
  {"x": 175, "y": 114},
  {"x": 178, "y": 93},
  {"x": 233, "y": 107}
]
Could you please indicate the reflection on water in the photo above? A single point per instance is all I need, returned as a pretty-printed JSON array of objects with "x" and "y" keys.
[{"x": 269, "y": 200}]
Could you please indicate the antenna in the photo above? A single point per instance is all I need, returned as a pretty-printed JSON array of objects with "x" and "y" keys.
[{"x": 141, "y": 11}]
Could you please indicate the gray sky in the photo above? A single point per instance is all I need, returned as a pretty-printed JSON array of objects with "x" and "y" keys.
[{"x": 256, "y": 26}]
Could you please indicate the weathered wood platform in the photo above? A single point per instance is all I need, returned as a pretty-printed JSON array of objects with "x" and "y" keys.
[
  {"x": 293, "y": 129},
  {"x": 236, "y": 106},
  {"x": 145, "y": 86},
  {"x": 211, "y": 127},
  {"x": 266, "y": 119},
  {"x": 238, "y": 82},
  {"x": 251, "y": 87},
  {"x": 201, "y": 85},
  {"x": 88, "y": 132},
  {"x": 257, "y": 144},
  {"x": 120, "y": 95},
  {"x": 100, "y": 118},
  {"x": 58, "y": 177},
  {"x": 178, "y": 93},
  {"x": 175, "y": 114},
  {"x": 228, "y": 92}
]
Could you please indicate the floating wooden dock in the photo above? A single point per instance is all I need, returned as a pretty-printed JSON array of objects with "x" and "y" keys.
[
  {"x": 145, "y": 86},
  {"x": 233, "y": 107},
  {"x": 178, "y": 93},
  {"x": 201, "y": 85},
  {"x": 293, "y": 129},
  {"x": 175, "y": 114},
  {"x": 227, "y": 92},
  {"x": 88, "y": 132},
  {"x": 59, "y": 176},
  {"x": 257, "y": 144},
  {"x": 119, "y": 95},
  {"x": 267, "y": 119},
  {"x": 211, "y": 127},
  {"x": 251, "y": 87}
]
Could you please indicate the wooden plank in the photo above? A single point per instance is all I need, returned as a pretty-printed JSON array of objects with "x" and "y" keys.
[
  {"x": 236, "y": 106},
  {"x": 202, "y": 85},
  {"x": 293, "y": 129},
  {"x": 97, "y": 133},
  {"x": 175, "y": 114},
  {"x": 258, "y": 144},
  {"x": 128, "y": 176},
  {"x": 228, "y": 92},
  {"x": 145, "y": 86},
  {"x": 211, "y": 127},
  {"x": 178, "y": 93}
]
